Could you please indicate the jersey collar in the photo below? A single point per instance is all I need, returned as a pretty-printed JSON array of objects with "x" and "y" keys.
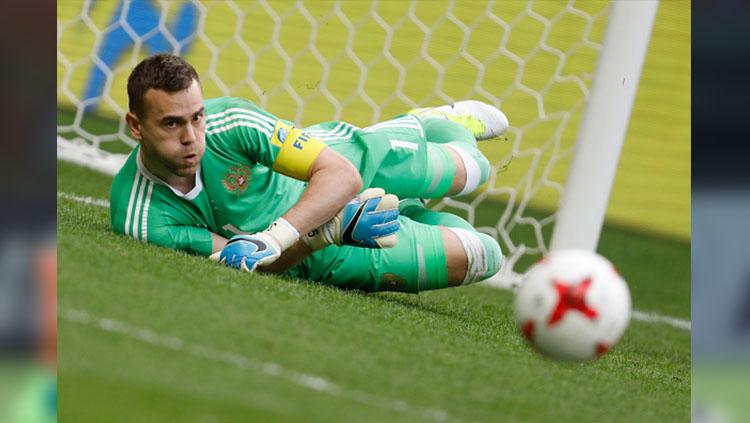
[{"x": 191, "y": 195}]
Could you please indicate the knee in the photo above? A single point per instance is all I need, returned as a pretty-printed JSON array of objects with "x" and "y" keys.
[
  {"x": 482, "y": 253},
  {"x": 476, "y": 167},
  {"x": 441, "y": 130}
]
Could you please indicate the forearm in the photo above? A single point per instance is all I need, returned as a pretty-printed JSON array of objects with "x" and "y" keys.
[
  {"x": 334, "y": 181},
  {"x": 217, "y": 243},
  {"x": 291, "y": 257}
]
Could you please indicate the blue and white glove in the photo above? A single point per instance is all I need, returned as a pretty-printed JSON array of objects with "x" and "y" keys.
[
  {"x": 247, "y": 252},
  {"x": 370, "y": 220}
]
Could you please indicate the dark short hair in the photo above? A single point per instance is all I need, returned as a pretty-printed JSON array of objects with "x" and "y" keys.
[{"x": 166, "y": 72}]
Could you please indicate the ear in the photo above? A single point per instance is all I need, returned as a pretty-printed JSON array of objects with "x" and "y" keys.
[{"x": 134, "y": 124}]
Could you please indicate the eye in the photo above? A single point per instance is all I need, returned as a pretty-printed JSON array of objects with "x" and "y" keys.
[
  {"x": 198, "y": 117},
  {"x": 171, "y": 124}
]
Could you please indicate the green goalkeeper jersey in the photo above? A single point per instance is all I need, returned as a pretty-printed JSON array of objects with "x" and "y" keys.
[{"x": 237, "y": 189}]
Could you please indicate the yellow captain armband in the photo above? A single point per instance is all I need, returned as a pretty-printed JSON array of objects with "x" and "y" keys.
[{"x": 297, "y": 151}]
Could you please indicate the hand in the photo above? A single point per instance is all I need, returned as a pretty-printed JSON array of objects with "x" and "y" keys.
[
  {"x": 369, "y": 220},
  {"x": 247, "y": 252}
]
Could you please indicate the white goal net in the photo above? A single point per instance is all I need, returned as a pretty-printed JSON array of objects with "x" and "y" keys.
[{"x": 361, "y": 62}]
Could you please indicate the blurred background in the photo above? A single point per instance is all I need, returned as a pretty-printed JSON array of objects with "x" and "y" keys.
[
  {"x": 721, "y": 206},
  {"x": 27, "y": 238}
]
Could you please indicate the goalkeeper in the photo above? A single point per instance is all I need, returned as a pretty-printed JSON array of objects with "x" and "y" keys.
[{"x": 226, "y": 179}]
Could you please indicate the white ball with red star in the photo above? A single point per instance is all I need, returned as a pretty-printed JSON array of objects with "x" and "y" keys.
[{"x": 573, "y": 305}]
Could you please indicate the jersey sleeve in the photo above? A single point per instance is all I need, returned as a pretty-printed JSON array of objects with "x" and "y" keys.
[
  {"x": 191, "y": 239},
  {"x": 140, "y": 210},
  {"x": 238, "y": 127}
]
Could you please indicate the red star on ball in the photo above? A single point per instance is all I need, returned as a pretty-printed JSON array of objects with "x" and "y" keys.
[{"x": 571, "y": 297}]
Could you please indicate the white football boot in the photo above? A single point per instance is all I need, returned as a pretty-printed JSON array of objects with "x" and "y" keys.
[{"x": 483, "y": 120}]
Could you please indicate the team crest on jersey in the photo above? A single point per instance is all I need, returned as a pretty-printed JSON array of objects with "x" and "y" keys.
[
  {"x": 392, "y": 282},
  {"x": 237, "y": 179}
]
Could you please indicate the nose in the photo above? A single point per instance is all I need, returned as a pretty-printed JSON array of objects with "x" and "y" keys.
[{"x": 189, "y": 135}]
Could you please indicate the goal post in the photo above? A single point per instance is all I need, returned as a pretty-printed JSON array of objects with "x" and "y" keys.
[
  {"x": 604, "y": 125},
  {"x": 312, "y": 61}
]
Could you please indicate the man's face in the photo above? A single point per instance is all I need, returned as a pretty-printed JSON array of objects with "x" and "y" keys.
[{"x": 172, "y": 132}]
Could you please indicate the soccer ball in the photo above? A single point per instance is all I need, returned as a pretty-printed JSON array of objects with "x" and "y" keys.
[{"x": 573, "y": 305}]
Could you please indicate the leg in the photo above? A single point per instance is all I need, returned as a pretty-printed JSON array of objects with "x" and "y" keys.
[
  {"x": 459, "y": 126},
  {"x": 470, "y": 166},
  {"x": 415, "y": 210},
  {"x": 425, "y": 258},
  {"x": 416, "y": 263},
  {"x": 456, "y": 260},
  {"x": 483, "y": 120},
  {"x": 441, "y": 131},
  {"x": 470, "y": 256},
  {"x": 412, "y": 158},
  {"x": 421, "y": 169},
  {"x": 457, "y": 248}
]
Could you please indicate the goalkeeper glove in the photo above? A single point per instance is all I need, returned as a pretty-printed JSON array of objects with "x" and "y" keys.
[
  {"x": 247, "y": 252},
  {"x": 369, "y": 220}
]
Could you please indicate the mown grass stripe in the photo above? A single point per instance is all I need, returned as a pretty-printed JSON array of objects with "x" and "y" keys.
[{"x": 84, "y": 199}]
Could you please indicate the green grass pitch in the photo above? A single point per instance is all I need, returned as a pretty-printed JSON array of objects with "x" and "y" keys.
[{"x": 149, "y": 334}]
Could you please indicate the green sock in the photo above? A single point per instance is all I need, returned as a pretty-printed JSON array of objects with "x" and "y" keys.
[
  {"x": 441, "y": 131},
  {"x": 416, "y": 211}
]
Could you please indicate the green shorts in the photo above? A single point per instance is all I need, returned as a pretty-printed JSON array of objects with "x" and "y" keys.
[
  {"x": 416, "y": 263},
  {"x": 396, "y": 156}
]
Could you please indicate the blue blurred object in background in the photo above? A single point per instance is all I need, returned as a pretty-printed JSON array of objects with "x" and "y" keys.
[{"x": 139, "y": 18}]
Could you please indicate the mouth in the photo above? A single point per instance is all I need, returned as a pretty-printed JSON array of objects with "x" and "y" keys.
[{"x": 190, "y": 160}]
